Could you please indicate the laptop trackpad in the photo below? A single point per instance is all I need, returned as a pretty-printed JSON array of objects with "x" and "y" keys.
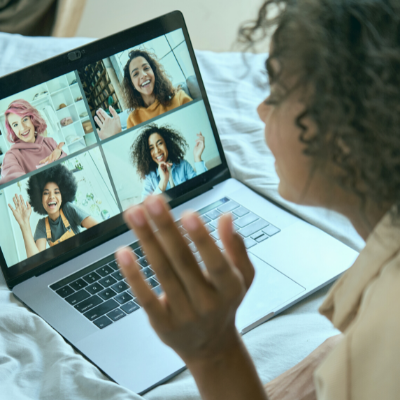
[{"x": 269, "y": 291}]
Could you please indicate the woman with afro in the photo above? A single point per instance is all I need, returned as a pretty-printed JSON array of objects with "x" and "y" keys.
[
  {"x": 148, "y": 90},
  {"x": 51, "y": 194},
  {"x": 30, "y": 150},
  {"x": 158, "y": 156}
]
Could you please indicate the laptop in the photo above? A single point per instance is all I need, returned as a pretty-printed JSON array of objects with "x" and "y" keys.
[{"x": 61, "y": 262}]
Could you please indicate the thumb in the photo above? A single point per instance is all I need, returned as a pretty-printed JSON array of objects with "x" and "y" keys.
[
  {"x": 235, "y": 249},
  {"x": 61, "y": 145}
]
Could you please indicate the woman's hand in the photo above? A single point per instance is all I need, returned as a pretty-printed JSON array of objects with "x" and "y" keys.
[
  {"x": 22, "y": 212},
  {"x": 54, "y": 156},
  {"x": 163, "y": 170},
  {"x": 199, "y": 147},
  {"x": 196, "y": 315},
  {"x": 107, "y": 126}
]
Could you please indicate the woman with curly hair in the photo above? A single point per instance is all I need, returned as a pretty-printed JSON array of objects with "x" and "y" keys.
[
  {"x": 148, "y": 90},
  {"x": 51, "y": 193},
  {"x": 158, "y": 155},
  {"x": 29, "y": 149},
  {"x": 332, "y": 121}
]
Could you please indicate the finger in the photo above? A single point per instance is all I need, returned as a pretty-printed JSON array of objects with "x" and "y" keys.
[
  {"x": 61, "y": 145},
  {"x": 28, "y": 206},
  {"x": 220, "y": 272},
  {"x": 16, "y": 201},
  {"x": 22, "y": 201},
  {"x": 43, "y": 161},
  {"x": 235, "y": 249},
  {"x": 99, "y": 123},
  {"x": 100, "y": 112},
  {"x": 177, "y": 250},
  {"x": 11, "y": 207},
  {"x": 113, "y": 112},
  {"x": 103, "y": 115},
  {"x": 147, "y": 299},
  {"x": 136, "y": 219}
]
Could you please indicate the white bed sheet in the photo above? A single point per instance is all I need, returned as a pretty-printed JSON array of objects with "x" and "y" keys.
[{"x": 35, "y": 361}]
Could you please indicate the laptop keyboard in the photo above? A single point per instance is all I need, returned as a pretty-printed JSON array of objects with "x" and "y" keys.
[{"x": 102, "y": 295}]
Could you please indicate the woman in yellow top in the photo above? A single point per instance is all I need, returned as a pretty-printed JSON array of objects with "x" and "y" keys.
[
  {"x": 332, "y": 122},
  {"x": 148, "y": 90}
]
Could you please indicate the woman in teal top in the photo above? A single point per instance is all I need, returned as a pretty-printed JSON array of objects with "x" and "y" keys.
[{"x": 158, "y": 155}]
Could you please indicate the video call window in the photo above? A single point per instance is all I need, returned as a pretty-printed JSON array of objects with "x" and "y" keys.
[
  {"x": 41, "y": 125},
  {"x": 140, "y": 83},
  {"x": 59, "y": 177}
]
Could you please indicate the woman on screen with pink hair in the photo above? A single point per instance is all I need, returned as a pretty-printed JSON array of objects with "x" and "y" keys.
[{"x": 29, "y": 149}]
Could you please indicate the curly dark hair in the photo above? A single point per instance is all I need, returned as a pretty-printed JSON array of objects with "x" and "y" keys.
[
  {"x": 60, "y": 175},
  {"x": 175, "y": 142},
  {"x": 348, "y": 53},
  {"x": 163, "y": 89}
]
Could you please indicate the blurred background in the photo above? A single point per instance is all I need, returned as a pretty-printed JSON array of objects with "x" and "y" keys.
[{"x": 212, "y": 24}]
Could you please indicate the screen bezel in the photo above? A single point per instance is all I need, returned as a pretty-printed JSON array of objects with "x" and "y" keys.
[{"x": 60, "y": 65}]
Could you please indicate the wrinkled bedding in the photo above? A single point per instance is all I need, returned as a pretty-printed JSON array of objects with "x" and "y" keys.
[{"x": 35, "y": 361}]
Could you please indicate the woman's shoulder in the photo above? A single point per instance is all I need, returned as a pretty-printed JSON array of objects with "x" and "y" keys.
[{"x": 182, "y": 97}]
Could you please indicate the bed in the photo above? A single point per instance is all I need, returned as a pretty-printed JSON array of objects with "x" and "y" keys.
[{"x": 36, "y": 362}]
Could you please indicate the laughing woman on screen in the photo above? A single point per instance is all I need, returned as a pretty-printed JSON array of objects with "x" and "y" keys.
[
  {"x": 158, "y": 155},
  {"x": 51, "y": 193},
  {"x": 29, "y": 149},
  {"x": 148, "y": 90}
]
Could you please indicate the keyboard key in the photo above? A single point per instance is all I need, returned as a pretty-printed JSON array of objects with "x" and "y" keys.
[
  {"x": 143, "y": 262},
  {"x": 120, "y": 287},
  {"x": 102, "y": 322},
  {"x": 116, "y": 314},
  {"x": 202, "y": 266},
  {"x": 104, "y": 270},
  {"x": 78, "y": 284},
  {"x": 246, "y": 220},
  {"x": 197, "y": 256},
  {"x": 139, "y": 252},
  {"x": 205, "y": 219},
  {"x": 107, "y": 281},
  {"x": 241, "y": 211},
  {"x": 94, "y": 288},
  {"x": 254, "y": 227},
  {"x": 214, "y": 223},
  {"x": 215, "y": 235},
  {"x": 182, "y": 230},
  {"x": 229, "y": 206},
  {"x": 89, "y": 303},
  {"x": 130, "y": 307},
  {"x": 219, "y": 244},
  {"x": 117, "y": 275},
  {"x": 114, "y": 265},
  {"x": 187, "y": 239},
  {"x": 157, "y": 290},
  {"x": 271, "y": 230},
  {"x": 65, "y": 291},
  {"x": 107, "y": 294},
  {"x": 210, "y": 228},
  {"x": 192, "y": 247},
  {"x": 101, "y": 309},
  {"x": 213, "y": 214},
  {"x": 249, "y": 242},
  {"x": 77, "y": 297},
  {"x": 92, "y": 277},
  {"x": 147, "y": 272},
  {"x": 123, "y": 297},
  {"x": 259, "y": 237},
  {"x": 152, "y": 282}
]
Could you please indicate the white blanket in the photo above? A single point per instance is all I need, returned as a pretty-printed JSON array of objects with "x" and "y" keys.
[{"x": 35, "y": 361}]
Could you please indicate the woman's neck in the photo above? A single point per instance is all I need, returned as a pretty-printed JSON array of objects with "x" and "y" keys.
[
  {"x": 54, "y": 216},
  {"x": 148, "y": 99}
]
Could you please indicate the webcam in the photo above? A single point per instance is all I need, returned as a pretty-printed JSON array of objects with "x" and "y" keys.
[{"x": 74, "y": 55}]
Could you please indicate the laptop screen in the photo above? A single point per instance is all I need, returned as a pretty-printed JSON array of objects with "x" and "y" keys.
[{"x": 79, "y": 149}]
